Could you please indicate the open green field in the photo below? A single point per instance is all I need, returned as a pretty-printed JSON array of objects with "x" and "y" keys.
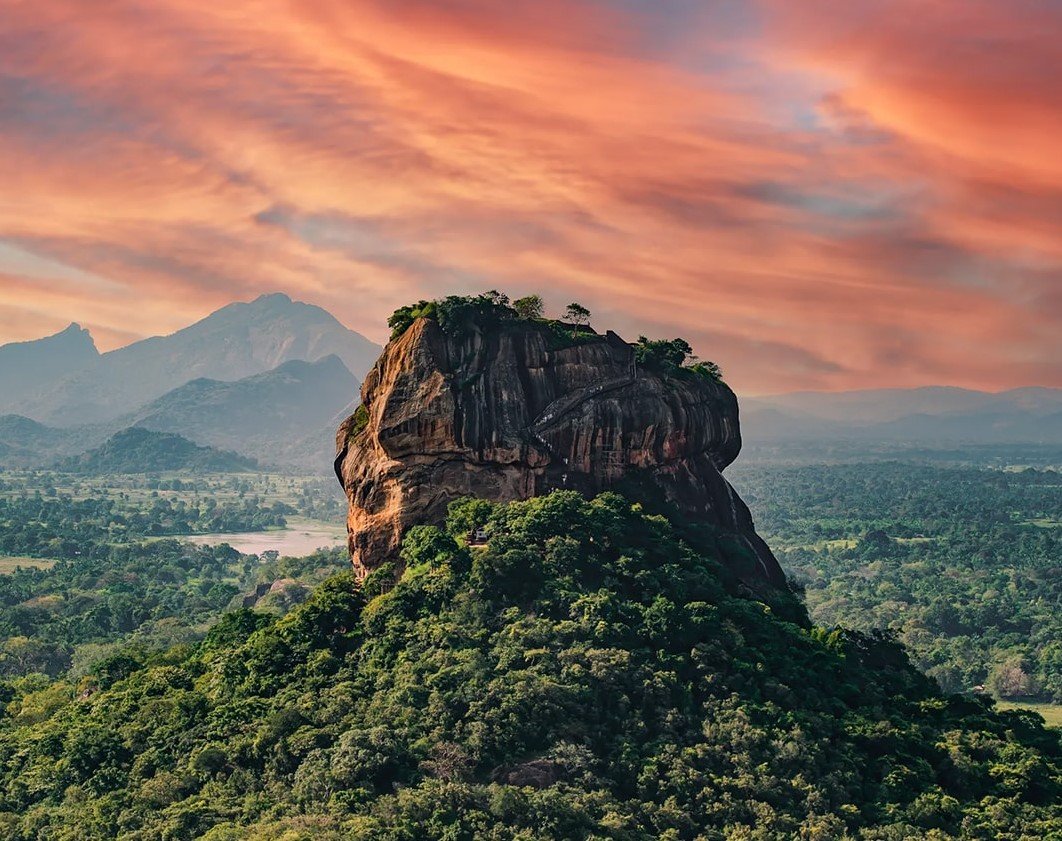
[
  {"x": 1052, "y": 713},
  {"x": 139, "y": 488},
  {"x": 840, "y": 543},
  {"x": 9, "y": 563}
]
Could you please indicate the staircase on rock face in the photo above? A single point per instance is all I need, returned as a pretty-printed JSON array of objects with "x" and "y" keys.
[{"x": 555, "y": 412}]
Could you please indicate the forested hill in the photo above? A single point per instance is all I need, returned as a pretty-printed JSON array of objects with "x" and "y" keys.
[
  {"x": 138, "y": 450},
  {"x": 592, "y": 672}
]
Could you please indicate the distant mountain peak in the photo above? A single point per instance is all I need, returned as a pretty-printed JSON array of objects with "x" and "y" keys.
[
  {"x": 273, "y": 298},
  {"x": 29, "y": 369},
  {"x": 237, "y": 341},
  {"x": 276, "y": 412},
  {"x": 73, "y": 336}
]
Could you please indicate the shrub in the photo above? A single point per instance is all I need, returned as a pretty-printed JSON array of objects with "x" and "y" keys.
[
  {"x": 674, "y": 357},
  {"x": 455, "y": 314}
]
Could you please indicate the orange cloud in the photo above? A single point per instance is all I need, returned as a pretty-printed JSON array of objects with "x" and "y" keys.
[{"x": 818, "y": 200}]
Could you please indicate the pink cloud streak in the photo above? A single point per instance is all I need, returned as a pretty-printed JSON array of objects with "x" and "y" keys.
[{"x": 826, "y": 201}]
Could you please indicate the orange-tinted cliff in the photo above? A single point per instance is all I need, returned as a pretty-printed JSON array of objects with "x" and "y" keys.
[{"x": 520, "y": 408}]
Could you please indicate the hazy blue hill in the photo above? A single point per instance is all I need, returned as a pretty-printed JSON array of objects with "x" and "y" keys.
[
  {"x": 934, "y": 415},
  {"x": 286, "y": 416},
  {"x": 17, "y": 431},
  {"x": 27, "y": 443},
  {"x": 265, "y": 415},
  {"x": 988, "y": 426},
  {"x": 237, "y": 341},
  {"x": 137, "y": 450},
  {"x": 23, "y": 442},
  {"x": 27, "y": 367},
  {"x": 874, "y": 405}
]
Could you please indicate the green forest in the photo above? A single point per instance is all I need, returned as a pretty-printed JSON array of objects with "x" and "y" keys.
[
  {"x": 139, "y": 450},
  {"x": 964, "y": 564},
  {"x": 593, "y": 672},
  {"x": 136, "y": 600},
  {"x": 114, "y": 574},
  {"x": 61, "y": 526}
]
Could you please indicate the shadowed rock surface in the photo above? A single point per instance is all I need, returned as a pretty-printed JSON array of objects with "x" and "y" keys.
[{"x": 519, "y": 409}]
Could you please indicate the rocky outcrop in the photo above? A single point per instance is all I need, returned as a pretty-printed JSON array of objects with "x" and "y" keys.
[{"x": 520, "y": 409}]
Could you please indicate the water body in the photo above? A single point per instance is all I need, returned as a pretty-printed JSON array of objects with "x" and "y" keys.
[{"x": 300, "y": 538}]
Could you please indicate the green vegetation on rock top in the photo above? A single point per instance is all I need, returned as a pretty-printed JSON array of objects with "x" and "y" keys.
[
  {"x": 457, "y": 313},
  {"x": 674, "y": 357}
]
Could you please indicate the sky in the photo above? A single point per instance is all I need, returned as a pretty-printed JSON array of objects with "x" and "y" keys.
[{"x": 817, "y": 195}]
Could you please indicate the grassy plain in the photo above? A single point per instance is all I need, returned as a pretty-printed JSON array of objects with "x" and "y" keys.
[{"x": 9, "y": 563}]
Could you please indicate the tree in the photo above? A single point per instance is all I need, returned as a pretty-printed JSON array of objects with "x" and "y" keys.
[
  {"x": 467, "y": 514},
  {"x": 529, "y": 307},
  {"x": 1010, "y": 679},
  {"x": 577, "y": 314},
  {"x": 708, "y": 370},
  {"x": 20, "y": 654},
  {"x": 673, "y": 356},
  {"x": 112, "y": 669},
  {"x": 454, "y": 313},
  {"x": 666, "y": 354}
]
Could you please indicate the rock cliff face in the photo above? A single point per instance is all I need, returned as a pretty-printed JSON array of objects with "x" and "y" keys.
[{"x": 511, "y": 412}]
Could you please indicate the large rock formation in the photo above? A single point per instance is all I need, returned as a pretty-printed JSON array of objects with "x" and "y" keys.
[{"x": 517, "y": 410}]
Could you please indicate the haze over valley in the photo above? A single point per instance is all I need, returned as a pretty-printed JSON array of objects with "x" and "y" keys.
[{"x": 270, "y": 379}]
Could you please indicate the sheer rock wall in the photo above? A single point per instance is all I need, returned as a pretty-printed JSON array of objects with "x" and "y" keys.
[{"x": 511, "y": 412}]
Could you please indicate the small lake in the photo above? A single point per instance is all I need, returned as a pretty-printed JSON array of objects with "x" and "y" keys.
[{"x": 300, "y": 538}]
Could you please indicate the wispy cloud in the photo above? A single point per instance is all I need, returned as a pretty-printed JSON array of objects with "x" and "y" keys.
[{"x": 818, "y": 197}]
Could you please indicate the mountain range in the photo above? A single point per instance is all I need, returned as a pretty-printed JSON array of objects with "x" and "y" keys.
[
  {"x": 936, "y": 415},
  {"x": 285, "y": 416},
  {"x": 28, "y": 367},
  {"x": 27, "y": 443},
  {"x": 271, "y": 379},
  {"x": 64, "y": 381}
]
